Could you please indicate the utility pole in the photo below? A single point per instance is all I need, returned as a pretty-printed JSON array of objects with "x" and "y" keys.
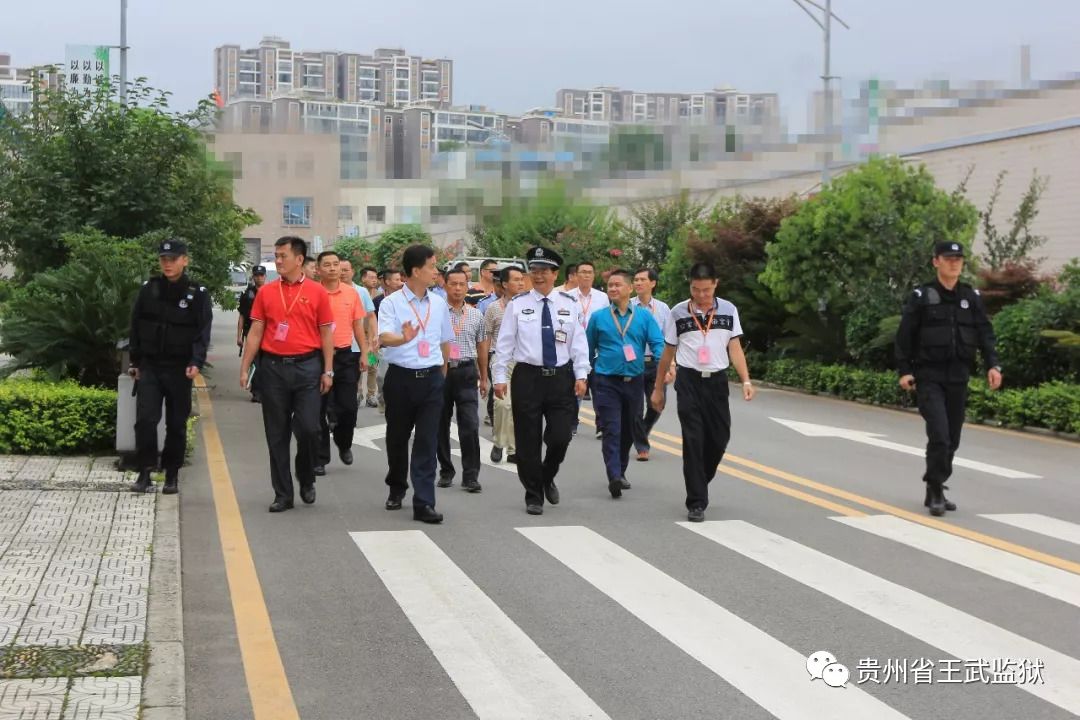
[
  {"x": 825, "y": 23},
  {"x": 123, "y": 52}
]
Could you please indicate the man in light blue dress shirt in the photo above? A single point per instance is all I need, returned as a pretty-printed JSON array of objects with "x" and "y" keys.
[{"x": 415, "y": 333}]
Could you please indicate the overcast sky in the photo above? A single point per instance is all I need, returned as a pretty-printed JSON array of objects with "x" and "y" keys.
[{"x": 512, "y": 56}]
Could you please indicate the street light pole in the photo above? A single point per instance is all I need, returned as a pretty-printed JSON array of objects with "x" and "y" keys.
[
  {"x": 826, "y": 78},
  {"x": 123, "y": 52}
]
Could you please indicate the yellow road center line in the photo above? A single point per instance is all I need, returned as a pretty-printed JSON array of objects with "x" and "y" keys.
[
  {"x": 268, "y": 687},
  {"x": 1021, "y": 550}
]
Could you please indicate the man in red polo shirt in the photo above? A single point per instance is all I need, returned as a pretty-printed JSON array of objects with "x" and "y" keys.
[
  {"x": 292, "y": 332},
  {"x": 340, "y": 405}
]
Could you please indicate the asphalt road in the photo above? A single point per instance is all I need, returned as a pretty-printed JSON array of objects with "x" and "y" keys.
[{"x": 615, "y": 608}]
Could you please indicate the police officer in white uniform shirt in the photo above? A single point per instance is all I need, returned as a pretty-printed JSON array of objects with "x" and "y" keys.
[
  {"x": 702, "y": 336},
  {"x": 542, "y": 333}
]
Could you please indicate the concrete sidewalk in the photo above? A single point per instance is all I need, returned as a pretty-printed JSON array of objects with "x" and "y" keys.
[{"x": 90, "y": 616}]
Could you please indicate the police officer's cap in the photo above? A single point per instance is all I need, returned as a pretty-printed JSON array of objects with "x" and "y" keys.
[
  {"x": 172, "y": 248},
  {"x": 543, "y": 257},
  {"x": 258, "y": 270},
  {"x": 948, "y": 249}
]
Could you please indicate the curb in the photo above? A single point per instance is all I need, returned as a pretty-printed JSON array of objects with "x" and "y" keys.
[{"x": 164, "y": 691}]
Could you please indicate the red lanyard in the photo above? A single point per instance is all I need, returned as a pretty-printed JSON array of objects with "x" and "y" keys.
[
  {"x": 422, "y": 323},
  {"x": 708, "y": 320},
  {"x": 299, "y": 292}
]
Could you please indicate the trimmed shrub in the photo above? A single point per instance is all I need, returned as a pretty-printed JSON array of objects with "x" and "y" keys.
[{"x": 56, "y": 418}]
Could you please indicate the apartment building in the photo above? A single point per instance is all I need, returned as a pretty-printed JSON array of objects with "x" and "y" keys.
[
  {"x": 389, "y": 76},
  {"x": 17, "y": 84},
  {"x": 722, "y": 106}
]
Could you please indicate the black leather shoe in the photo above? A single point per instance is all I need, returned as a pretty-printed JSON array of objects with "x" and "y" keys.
[
  {"x": 512, "y": 458},
  {"x": 534, "y": 509},
  {"x": 445, "y": 480},
  {"x": 281, "y": 506},
  {"x": 473, "y": 486},
  {"x": 624, "y": 483},
  {"x": 172, "y": 481},
  {"x": 320, "y": 470},
  {"x": 143, "y": 484},
  {"x": 936, "y": 500},
  {"x": 551, "y": 493},
  {"x": 496, "y": 454},
  {"x": 615, "y": 488},
  {"x": 426, "y": 513},
  {"x": 346, "y": 456},
  {"x": 949, "y": 504},
  {"x": 695, "y": 515},
  {"x": 308, "y": 494},
  {"x": 393, "y": 503}
]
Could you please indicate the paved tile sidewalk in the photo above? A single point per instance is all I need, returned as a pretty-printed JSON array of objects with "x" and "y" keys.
[
  {"x": 74, "y": 588},
  {"x": 21, "y": 472}
]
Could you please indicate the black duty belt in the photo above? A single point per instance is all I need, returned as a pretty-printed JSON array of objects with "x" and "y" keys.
[
  {"x": 290, "y": 359},
  {"x": 545, "y": 371}
]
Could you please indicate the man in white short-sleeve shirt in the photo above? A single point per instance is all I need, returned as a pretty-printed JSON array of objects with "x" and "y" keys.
[{"x": 702, "y": 336}]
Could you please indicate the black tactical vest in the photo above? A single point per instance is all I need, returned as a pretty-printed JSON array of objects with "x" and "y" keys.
[
  {"x": 167, "y": 317},
  {"x": 947, "y": 329}
]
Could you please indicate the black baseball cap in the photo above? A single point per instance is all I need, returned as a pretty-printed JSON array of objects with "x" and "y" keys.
[
  {"x": 172, "y": 248},
  {"x": 258, "y": 270},
  {"x": 948, "y": 249}
]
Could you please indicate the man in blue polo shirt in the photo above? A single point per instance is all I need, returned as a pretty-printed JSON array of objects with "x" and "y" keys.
[{"x": 619, "y": 337}]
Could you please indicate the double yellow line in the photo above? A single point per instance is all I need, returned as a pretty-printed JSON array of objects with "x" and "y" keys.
[{"x": 675, "y": 449}]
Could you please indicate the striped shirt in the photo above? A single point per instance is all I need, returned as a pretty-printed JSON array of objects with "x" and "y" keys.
[
  {"x": 493, "y": 318},
  {"x": 469, "y": 331}
]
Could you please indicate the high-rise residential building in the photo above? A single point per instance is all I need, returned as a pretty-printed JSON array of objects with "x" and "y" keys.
[
  {"x": 722, "y": 106},
  {"x": 17, "y": 84},
  {"x": 388, "y": 77}
]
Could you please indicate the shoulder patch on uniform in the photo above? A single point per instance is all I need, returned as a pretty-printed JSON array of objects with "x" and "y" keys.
[
  {"x": 567, "y": 295},
  {"x": 521, "y": 295}
]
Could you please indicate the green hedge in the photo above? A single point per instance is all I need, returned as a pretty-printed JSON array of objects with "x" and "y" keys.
[
  {"x": 56, "y": 418},
  {"x": 1053, "y": 405}
]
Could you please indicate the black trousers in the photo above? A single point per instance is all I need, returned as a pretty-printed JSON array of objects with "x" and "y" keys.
[
  {"x": 460, "y": 392},
  {"x": 643, "y": 425},
  {"x": 706, "y": 428},
  {"x": 340, "y": 405},
  {"x": 942, "y": 406},
  {"x": 617, "y": 401},
  {"x": 544, "y": 407},
  {"x": 157, "y": 384},
  {"x": 290, "y": 405},
  {"x": 491, "y": 389},
  {"x": 413, "y": 400}
]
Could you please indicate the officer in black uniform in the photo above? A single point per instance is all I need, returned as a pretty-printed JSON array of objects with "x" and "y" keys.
[
  {"x": 170, "y": 332},
  {"x": 243, "y": 323},
  {"x": 944, "y": 323}
]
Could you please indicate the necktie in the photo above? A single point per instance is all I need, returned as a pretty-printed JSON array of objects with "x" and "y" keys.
[{"x": 547, "y": 336}]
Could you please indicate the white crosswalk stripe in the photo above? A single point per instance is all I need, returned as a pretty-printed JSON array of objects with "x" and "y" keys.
[
  {"x": 768, "y": 672},
  {"x": 1042, "y": 524},
  {"x": 951, "y": 630},
  {"x": 500, "y": 672},
  {"x": 1036, "y": 576}
]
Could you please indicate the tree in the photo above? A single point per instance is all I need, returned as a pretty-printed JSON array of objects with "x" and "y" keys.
[
  {"x": 57, "y": 323},
  {"x": 655, "y": 223},
  {"x": 858, "y": 248},
  {"x": 635, "y": 150},
  {"x": 76, "y": 162},
  {"x": 1015, "y": 245},
  {"x": 556, "y": 217},
  {"x": 357, "y": 250},
  {"x": 733, "y": 238}
]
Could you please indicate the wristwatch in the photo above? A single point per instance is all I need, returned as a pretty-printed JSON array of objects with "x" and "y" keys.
[{"x": 328, "y": 372}]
